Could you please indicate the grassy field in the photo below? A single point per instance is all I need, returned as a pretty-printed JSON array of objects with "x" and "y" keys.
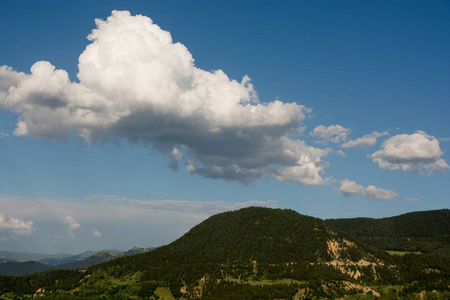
[
  {"x": 164, "y": 293},
  {"x": 401, "y": 253},
  {"x": 265, "y": 281}
]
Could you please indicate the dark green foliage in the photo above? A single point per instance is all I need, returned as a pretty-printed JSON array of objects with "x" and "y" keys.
[
  {"x": 410, "y": 226},
  {"x": 148, "y": 288},
  {"x": 50, "y": 280}
]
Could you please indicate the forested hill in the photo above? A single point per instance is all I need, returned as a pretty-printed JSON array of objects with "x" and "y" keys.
[
  {"x": 410, "y": 226},
  {"x": 254, "y": 233},
  {"x": 274, "y": 242}
]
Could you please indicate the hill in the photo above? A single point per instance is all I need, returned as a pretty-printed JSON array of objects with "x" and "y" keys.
[
  {"x": 22, "y": 268},
  {"x": 406, "y": 227}
]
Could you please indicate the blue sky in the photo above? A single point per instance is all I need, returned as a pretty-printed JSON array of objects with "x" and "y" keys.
[{"x": 345, "y": 115}]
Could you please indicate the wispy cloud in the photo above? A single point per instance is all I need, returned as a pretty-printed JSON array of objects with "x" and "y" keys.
[
  {"x": 113, "y": 212},
  {"x": 407, "y": 199},
  {"x": 348, "y": 188},
  {"x": 72, "y": 224},
  {"x": 96, "y": 233},
  {"x": 365, "y": 141}
]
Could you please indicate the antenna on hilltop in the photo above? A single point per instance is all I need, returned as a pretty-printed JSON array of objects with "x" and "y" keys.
[{"x": 266, "y": 199}]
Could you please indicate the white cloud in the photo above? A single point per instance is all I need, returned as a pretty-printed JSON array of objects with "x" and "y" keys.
[
  {"x": 72, "y": 224},
  {"x": 348, "y": 188},
  {"x": 136, "y": 84},
  {"x": 407, "y": 199},
  {"x": 96, "y": 233},
  {"x": 334, "y": 133},
  {"x": 9, "y": 78},
  {"x": 365, "y": 141},
  {"x": 15, "y": 226},
  {"x": 411, "y": 153}
]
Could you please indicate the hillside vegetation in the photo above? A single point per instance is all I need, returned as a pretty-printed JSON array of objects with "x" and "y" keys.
[{"x": 406, "y": 227}]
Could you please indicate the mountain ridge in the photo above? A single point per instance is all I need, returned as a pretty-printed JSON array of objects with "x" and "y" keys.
[{"x": 404, "y": 227}]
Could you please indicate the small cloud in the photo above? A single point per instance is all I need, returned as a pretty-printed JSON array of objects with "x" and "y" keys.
[
  {"x": 333, "y": 134},
  {"x": 444, "y": 139},
  {"x": 411, "y": 153},
  {"x": 349, "y": 188},
  {"x": 341, "y": 153},
  {"x": 407, "y": 199},
  {"x": 96, "y": 233},
  {"x": 365, "y": 141},
  {"x": 72, "y": 224},
  {"x": 3, "y": 134},
  {"x": 16, "y": 226}
]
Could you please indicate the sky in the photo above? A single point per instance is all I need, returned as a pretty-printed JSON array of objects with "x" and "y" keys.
[{"x": 126, "y": 123}]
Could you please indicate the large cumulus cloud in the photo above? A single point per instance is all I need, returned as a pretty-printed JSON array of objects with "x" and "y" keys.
[
  {"x": 135, "y": 83},
  {"x": 411, "y": 153}
]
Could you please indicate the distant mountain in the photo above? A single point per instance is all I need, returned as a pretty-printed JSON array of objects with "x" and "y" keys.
[
  {"x": 99, "y": 257},
  {"x": 22, "y": 268},
  {"x": 53, "y": 261},
  {"x": 406, "y": 227},
  {"x": 81, "y": 261},
  {"x": 26, "y": 256},
  {"x": 137, "y": 250}
]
